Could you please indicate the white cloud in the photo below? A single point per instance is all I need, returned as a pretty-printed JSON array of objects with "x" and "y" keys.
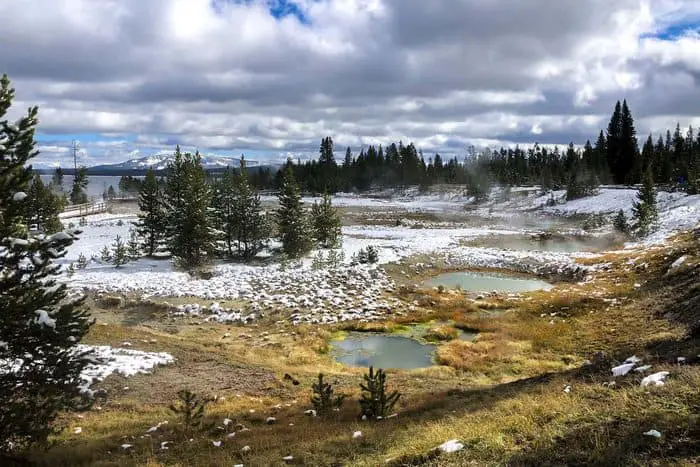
[{"x": 443, "y": 74}]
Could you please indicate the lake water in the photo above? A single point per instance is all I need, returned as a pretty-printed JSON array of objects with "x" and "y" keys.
[
  {"x": 97, "y": 184},
  {"x": 483, "y": 282},
  {"x": 382, "y": 351}
]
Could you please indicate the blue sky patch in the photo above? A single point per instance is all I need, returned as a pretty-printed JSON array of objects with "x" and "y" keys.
[{"x": 676, "y": 30}]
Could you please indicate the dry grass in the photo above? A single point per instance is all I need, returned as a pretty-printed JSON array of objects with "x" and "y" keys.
[{"x": 502, "y": 395}]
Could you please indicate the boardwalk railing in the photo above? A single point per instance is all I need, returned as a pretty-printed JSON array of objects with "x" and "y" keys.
[{"x": 80, "y": 210}]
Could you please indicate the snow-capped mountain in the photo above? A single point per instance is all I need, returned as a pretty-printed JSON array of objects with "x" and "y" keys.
[{"x": 159, "y": 161}]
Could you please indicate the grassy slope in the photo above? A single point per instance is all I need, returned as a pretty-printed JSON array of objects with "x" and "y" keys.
[{"x": 503, "y": 395}]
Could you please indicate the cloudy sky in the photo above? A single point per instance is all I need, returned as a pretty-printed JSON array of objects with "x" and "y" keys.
[{"x": 270, "y": 78}]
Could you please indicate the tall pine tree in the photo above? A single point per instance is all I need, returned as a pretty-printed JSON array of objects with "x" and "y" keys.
[
  {"x": 152, "y": 224},
  {"x": 191, "y": 236},
  {"x": 292, "y": 220},
  {"x": 251, "y": 224},
  {"x": 644, "y": 209},
  {"x": 39, "y": 325},
  {"x": 326, "y": 223},
  {"x": 43, "y": 207}
]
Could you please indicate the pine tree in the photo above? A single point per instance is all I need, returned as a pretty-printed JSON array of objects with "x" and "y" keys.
[
  {"x": 191, "y": 237},
  {"x": 39, "y": 324},
  {"x": 323, "y": 399},
  {"x": 225, "y": 212},
  {"x": 133, "y": 245},
  {"x": 292, "y": 220},
  {"x": 57, "y": 180},
  {"x": 645, "y": 210},
  {"x": 252, "y": 227},
  {"x": 613, "y": 143},
  {"x": 105, "y": 254},
  {"x": 120, "y": 254},
  {"x": 620, "y": 222},
  {"x": 152, "y": 223},
  {"x": 43, "y": 207},
  {"x": 628, "y": 158},
  {"x": 190, "y": 407},
  {"x": 326, "y": 223},
  {"x": 376, "y": 400},
  {"x": 82, "y": 261},
  {"x": 78, "y": 195}
]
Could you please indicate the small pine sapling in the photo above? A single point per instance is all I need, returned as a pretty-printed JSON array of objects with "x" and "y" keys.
[
  {"x": 372, "y": 254},
  {"x": 71, "y": 270},
  {"x": 82, "y": 261},
  {"x": 620, "y": 222},
  {"x": 323, "y": 399},
  {"x": 83, "y": 222},
  {"x": 133, "y": 245},
  {"x": 105, "y": 254},
  {"x": 376, "y": 401},
  {"x": 318, "y": 262},
  {"x": 189, "y": 407},
  {"x": 119, "y": 252}
]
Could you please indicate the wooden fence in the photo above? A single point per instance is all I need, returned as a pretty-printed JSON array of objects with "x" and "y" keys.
[{"x": 80, "y": 210}]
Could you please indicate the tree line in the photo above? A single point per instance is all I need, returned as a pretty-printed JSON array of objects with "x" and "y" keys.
[{"x": 614, "y": 157}]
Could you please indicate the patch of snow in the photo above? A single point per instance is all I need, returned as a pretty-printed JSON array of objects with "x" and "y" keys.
[
  {"x": 653, "y": 433},
  {"x": 108, "y": 360},
  {"x": 677, "y": 263},
  {"x": 450, "y": 446},
  {"x": 19, "y": 196},
  {"x": 657, "y": 379},
  {"x": 622, "y": 370},
  {"x": 356, "y": 435}
]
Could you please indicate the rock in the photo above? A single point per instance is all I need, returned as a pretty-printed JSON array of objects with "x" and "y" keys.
[
  {"x": 357, "y": 434},
  {"x": 245, "y": 449},
  {"x": 653, "y": 433},
  {"x": 270, "y": 420}
]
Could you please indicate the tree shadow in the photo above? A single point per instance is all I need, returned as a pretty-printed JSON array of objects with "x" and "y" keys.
[{"x": 616, "y": 442}]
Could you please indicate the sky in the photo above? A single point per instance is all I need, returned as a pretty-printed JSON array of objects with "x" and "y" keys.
[{"x": 270, "y": 78}]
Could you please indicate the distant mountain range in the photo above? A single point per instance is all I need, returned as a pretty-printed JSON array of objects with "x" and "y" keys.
[{"x": 158, "y": 162}]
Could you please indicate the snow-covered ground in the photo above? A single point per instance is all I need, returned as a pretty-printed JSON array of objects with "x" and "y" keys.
[
  {"x": 126, "y": 362},
  {"x": 359, "y": 292}
]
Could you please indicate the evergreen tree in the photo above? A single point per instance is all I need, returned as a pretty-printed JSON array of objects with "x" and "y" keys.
[
  {"x": 57, "y": 179},
  {"x": 292, "y": 220},
  {"x": 323, "y": 399},
  {"x": 133, "y": 245},
  {"x": 191, "y": 234},
  {"x": 613, "y": 143},
  {"x": 152, "y": 223},
  {"x": 78, "y": 195},
  {"x": 43, "y": 207},
  {"x": 376, "y": 400},
  {"x": 251, "y": 225},
  {"x": 620, "y": 222},
  {"x": 105, "y": 254},
  {"x": 628, "y": 158},
  {"x": 39, "y": 324},
  {"x": 120, "y": 254},
  {"x": 225, "y": 210},
  {"x": 326, "y": 223},
  {"x": 111, "y": 192},
  {"x": 645, "y": 210}
]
